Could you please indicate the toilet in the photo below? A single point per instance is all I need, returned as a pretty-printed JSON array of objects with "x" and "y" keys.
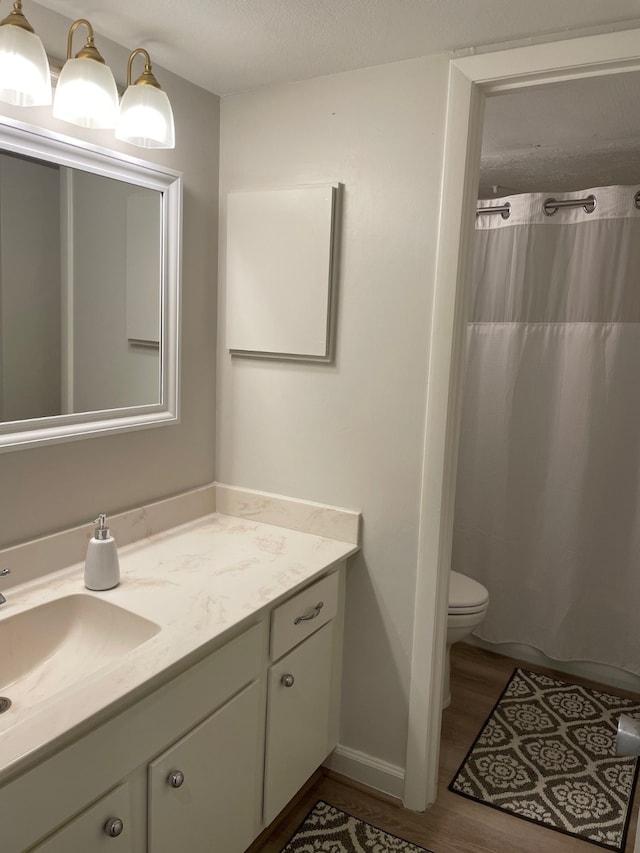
[{"x": 468, "y": 604}]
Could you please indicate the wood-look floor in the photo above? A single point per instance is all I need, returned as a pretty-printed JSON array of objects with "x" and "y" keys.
[{"x": 453, "y": 824}]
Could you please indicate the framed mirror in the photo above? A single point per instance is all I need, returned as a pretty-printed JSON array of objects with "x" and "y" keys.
[{"x": 89, "y": 289}]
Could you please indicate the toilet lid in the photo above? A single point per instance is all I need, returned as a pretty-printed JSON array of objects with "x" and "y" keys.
[{"x": 465, "y": 594}]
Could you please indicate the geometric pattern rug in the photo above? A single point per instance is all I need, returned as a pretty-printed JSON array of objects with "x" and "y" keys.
[
  {"x": 547, "y": 754},
  {"x": 329, "y": 830}
]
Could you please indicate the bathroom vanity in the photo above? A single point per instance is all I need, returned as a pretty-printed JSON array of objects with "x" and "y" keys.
[{"x": 196, "y": 738}]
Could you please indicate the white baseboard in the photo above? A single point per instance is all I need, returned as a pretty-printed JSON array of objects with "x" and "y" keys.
[{"x": 378, "y": 774}]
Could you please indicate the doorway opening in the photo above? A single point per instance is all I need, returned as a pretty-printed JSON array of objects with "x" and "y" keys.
[{"x": 472, "y": 79}]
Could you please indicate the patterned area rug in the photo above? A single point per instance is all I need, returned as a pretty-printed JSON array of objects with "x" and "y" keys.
[
  {"x": 330, "y": 830},
  {"x": 547, "y": 754}
]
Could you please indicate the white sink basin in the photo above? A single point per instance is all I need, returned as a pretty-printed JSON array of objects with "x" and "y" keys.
[{"x": 52, "y": 646}]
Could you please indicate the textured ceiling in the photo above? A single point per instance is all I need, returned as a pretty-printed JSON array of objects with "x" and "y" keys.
[
  {"x": 563, "y": 136},
  {"x": 234, "y": 45}
]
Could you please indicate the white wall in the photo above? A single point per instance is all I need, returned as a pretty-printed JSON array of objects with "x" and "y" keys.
[
  {"x": 52, "y": 488},
  {"x": 349, "y": 433}
]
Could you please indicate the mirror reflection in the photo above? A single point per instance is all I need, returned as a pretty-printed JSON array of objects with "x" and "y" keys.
[{"x": 80, "y": 291}]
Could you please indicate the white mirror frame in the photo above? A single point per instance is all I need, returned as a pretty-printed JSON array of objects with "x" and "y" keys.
[
  {"x": 46, "y": 145},
  {"x": 471, "y": 78}
]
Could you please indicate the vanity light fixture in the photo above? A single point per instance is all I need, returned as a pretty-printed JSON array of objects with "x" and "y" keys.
[
  {"x": 146, "y": 118},
  {"x": 24, "y": 69},
  {"x": 86, "y": 94}
]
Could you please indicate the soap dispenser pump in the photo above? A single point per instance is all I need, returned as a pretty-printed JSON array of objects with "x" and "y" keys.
[{"x": 102, "y": 568}]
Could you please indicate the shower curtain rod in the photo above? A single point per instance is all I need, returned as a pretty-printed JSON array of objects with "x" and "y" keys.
[{"x": 550, "y": 206}]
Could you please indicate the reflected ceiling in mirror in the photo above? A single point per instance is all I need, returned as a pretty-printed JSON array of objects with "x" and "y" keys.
[{"x": 89, "y": 289}]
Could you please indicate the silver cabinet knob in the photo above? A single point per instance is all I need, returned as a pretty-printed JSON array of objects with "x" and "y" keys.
[
  {"x": 113, "y": 827},
  {"x": 175, "y": 778},
  {"x": 287, "y": 680}
]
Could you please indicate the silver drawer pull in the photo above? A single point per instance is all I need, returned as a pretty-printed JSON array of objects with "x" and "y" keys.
[
  {"x": 287, "y": 680},
  {"x": 175, "y": 778},
  {"x": 113, "y": 827},
  {"x": 307, "y": 616}
]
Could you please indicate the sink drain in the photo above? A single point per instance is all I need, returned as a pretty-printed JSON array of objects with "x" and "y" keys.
[{"x": 5, "y": 704}]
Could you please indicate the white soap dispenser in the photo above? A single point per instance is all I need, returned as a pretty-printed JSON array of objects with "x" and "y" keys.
[{"x": 102, "y": 568}]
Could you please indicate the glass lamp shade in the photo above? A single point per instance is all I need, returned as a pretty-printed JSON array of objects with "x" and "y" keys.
[
  {"x": 146, "y": 118},
  {"x": 24, "y": 69},
  {"x": 86, "y": 94}
]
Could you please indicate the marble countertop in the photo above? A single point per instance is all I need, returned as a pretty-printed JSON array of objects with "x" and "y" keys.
[{"x": 197, "y": 582}]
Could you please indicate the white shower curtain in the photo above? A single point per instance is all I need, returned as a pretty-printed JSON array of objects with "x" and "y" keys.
[{"x": 547, "y": 503}]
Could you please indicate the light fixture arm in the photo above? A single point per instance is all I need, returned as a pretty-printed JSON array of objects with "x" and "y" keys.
[
  {"x": 16, "y": 18},
  {"x": 147, "y": 77},
  {"x": 89, "y": 51}
]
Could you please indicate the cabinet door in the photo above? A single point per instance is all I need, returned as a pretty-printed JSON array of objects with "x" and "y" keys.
[
  {"x": 202, "y": 791},
  {"x": 298, "y": 719},
  {"x": 91, "y": 831}
]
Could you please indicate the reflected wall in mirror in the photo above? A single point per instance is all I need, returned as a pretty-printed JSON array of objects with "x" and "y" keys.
[{"x": 89, "y": 289}]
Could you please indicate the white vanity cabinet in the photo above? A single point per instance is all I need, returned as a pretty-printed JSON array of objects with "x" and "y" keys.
[
  {"x": 59, "y": 795},
  {"x": 303, "y": 689},
  {"x": 205, "y": 761},
  {"x": 202, "y": 791}
]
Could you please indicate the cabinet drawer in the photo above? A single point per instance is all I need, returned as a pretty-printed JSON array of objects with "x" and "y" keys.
[
  {"x": 89, "y": 831},
  {"x": 303, "y": 614}
]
